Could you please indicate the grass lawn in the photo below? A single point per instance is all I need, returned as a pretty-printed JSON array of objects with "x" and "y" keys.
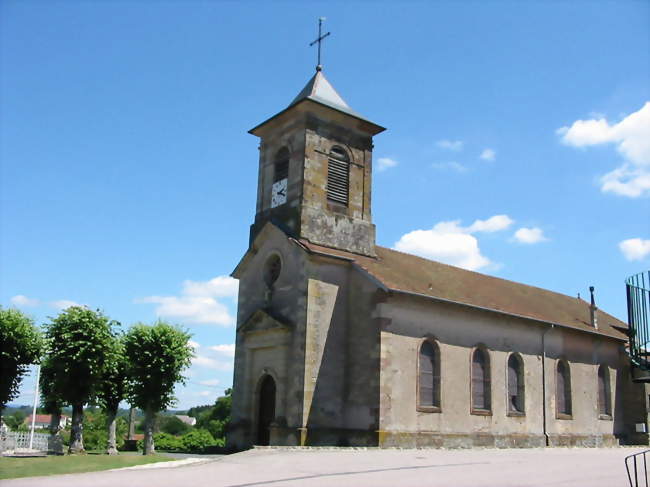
[{"x": 11, "y": 468}]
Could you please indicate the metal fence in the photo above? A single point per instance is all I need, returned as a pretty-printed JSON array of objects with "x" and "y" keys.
[
  {"x": 13, "y": 440},
  {"x": 637, "y": 469},
  {"x": 638, "y": 312}
]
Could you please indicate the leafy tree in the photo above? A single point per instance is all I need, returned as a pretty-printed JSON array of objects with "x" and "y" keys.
[
  {"x": 172, "y": 425},
  {"x": 112, "y": 388},
  {"x": 96, "y": 433},
  {"x": 79, "y": 339},
  {"x": 216, "y": 418},
  {"x": 52, "y": 402},
  {"x": 196, "y": 411},
  {"x": 15, "y": 420},
  {"x": 158, "y": 355},
  {"x": 21, "y": 344}
]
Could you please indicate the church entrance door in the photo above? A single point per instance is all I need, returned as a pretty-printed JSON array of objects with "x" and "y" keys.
[{"x": 266, "y": 413}]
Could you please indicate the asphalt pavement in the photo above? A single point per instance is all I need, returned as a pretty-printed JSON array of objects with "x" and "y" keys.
[{"x": 592, "y": 467}]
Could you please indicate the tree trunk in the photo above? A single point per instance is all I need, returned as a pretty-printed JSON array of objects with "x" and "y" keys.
[
  {"x": 111, "y": 417},
  {"x": 76, "y": 432},
  {"x": 149, "y": 420},
  {"x": 55, "y": 422},
  {"x": 55, "y": 442},
  {"x": 131, "y": 422}
]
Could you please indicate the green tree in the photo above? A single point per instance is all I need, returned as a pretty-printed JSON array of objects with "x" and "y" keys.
[
  {"x": 52, "y": 401},
  {"x": 79, "y": 340},
  {"x": 216, "y": 418},
  {"x": 21, "y": 344},
  {"x": 172, "y": 425},
  {"x": 112, "y": 388},
  {"x": 15, "y": 420},
  {"x": 158, "y": 355}
]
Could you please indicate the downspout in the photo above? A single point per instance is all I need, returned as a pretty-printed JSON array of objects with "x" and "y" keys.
[{"x": 546, "y": 440}]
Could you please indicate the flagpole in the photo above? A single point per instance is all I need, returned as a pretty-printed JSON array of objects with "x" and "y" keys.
[{"x": 36, "y": 396}]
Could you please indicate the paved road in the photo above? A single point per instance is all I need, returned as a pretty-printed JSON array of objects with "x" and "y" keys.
[{"x": 372, "y": 468}]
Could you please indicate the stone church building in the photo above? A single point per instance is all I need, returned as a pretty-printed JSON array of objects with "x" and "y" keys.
[{"x": 343, "y": 342}]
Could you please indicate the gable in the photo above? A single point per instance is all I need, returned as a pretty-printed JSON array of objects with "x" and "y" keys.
[{"x": 262, "y": 321}]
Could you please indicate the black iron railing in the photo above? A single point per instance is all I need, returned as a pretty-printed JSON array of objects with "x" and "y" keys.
[
  {"x": 637, "y": 469},
  {"x": 638, "y": 314}
]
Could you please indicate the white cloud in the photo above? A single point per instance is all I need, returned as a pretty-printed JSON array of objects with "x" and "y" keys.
[
  {"x": 452, "y": 145},
  {"x": 199, "y": 302},
  {"x": 626, "y": 180},
  {"x": 451, "y": 243},
  {"x": 64, "y": 304},
  {"x": 495, "y": 223},
  {"x": 206, "y": 393},
  {"x": 219, "y": 287},
  {"x": 210, "y": 382},
  {"x": 384, "y": 163},
  {"x": 226, "y": 349},
  {"x": 23, "y": 301},
  {"x": 193, "y": 344},
  {"x": 452, "y": 165},
  {"x": 632, "y": 139},
  {"x": 488, "y": 155},
  {"x": 529, "y": 235},
  {"x": 635, "y": 248},
  {"x": 210, "y": 363}
]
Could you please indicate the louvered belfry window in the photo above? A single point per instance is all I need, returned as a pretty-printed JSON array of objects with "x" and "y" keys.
[
  {"x": 563, "y": 392},
  {"x": 338, "y": 176},
  {"x": 429, "y": 375},
  {"x": 281, "y": 165},
  {"x": 480, "y": 380},
  {"x": 604, "y": 398},
  {"x": 515, "y": 384}
]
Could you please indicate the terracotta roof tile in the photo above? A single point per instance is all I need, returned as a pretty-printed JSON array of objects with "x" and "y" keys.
[{"x": 408, "y": 273}]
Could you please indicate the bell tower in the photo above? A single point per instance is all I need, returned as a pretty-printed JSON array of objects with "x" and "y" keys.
[{"x": 315, "y": 168}]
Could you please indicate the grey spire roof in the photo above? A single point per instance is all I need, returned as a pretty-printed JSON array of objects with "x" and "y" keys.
[{"x": 320, "y": 90}]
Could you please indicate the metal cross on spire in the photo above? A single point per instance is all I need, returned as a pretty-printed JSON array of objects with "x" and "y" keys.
[{"x": 319, "y": 41}]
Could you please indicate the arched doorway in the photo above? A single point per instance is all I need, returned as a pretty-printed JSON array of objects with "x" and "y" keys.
[{"x": 266, "y": 410}]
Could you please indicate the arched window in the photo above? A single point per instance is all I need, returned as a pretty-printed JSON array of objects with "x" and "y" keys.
[
  {"x": 481, "y": 381},
  {"x": 604, "y": 392},
  {"x": 281, "y": 165},
  {"x": 563, "y": 389},
  {"x": 338, "y": 176},
  {"x": 516, "y": 391},
  {"x": 429, "y": 376}
]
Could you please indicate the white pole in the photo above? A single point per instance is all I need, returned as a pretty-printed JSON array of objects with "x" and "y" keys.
[{"x": 36, "y": 396}]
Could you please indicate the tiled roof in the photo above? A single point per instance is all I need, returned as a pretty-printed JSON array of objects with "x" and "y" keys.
[
  {"x": 408, "y": 273},
  {"x": 43, "y": 418}
]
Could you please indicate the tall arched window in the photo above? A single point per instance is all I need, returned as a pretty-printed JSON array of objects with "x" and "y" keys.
[
  {"x": 429, "y": 376},
  {"x": 281, "y": 165},
  {"x": 516, "y": 391},
  {"x": 563, "y": 389},
  {"x": 604, "y": 392},
  {"x": 338, "y": 176},
  {"x": 481, "y": 396}
]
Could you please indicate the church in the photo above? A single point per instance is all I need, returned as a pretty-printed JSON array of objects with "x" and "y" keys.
[{"x": 342, "y": 342}]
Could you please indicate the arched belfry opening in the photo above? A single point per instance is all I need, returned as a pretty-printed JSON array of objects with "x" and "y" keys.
[{"x": 266, "y": 410}]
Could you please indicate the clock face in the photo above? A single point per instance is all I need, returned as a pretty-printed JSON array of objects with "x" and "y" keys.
[{"x": 279, "y": 193}]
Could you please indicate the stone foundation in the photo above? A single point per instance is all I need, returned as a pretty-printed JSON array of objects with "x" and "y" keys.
[{"x": 407, "y": 439}]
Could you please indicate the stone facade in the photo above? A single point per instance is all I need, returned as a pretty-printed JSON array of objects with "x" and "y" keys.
[{"x": 341, "y": 341}]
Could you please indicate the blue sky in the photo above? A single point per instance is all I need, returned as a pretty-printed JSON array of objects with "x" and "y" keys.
[{"x": 517, "y": 145}]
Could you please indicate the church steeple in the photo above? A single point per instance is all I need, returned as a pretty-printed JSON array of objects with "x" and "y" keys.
[{"x": 315, "y": 168}]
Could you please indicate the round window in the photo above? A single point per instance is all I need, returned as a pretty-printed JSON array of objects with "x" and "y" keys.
[{"x": 272, "y": 269}]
